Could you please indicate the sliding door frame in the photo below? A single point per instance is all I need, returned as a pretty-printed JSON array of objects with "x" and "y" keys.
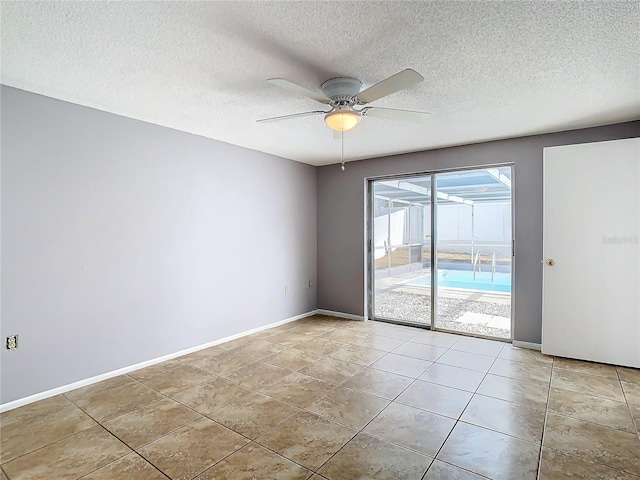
[
  {"x": 370, "y": 263},
  {"x": 370, "y": 251}
]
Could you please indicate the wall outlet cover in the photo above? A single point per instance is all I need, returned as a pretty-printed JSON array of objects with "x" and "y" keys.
[{"x": 12, "y": 342}]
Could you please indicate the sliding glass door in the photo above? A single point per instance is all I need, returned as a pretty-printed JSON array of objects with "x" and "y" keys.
[
  {"x": 468, "y": 215},
  {"x": 401, "y": 249},
  {"x": 474, "y": 252}
]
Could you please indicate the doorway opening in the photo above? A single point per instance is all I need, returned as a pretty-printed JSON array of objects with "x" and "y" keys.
[{"x": 442, "y": 251}]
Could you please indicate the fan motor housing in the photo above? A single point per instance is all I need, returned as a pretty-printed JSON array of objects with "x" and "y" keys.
[{"x": 345, "y": 87}]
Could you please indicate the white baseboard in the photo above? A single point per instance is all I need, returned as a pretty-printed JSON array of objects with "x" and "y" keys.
[
  {"x": 529, "y": 345},
  {"x": 348, "y": 316},
  {"x": 114, "y": 373}
]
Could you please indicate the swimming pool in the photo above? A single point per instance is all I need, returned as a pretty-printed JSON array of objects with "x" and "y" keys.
[{"x": 464, "y": 279}]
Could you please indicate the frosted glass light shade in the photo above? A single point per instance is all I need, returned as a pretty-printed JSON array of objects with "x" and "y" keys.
[{"x": 341, "y": 121}]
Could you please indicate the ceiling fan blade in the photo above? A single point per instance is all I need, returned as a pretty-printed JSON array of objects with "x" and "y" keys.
[
  {"x": 287, "y": 117},
  {"x": 299, "y": 89},
  {"x": 399, "y": 81},
  {"x": 395, "y": 114}
]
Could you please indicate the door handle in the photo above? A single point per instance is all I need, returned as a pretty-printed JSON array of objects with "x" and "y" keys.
[{"x": 550, "y": 262}]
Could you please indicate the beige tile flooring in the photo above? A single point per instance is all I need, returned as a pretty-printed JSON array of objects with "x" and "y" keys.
[{"x": 338, "y": 399}]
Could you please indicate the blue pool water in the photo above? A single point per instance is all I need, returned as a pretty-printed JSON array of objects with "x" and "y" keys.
[{"x": 464, "y": 279}]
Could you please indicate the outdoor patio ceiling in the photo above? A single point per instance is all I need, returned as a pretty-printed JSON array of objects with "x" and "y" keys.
[{"x": 468, "y": 187}]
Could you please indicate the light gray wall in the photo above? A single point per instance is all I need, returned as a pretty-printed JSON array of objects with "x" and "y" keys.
[
  {"x": 123, "y": 241},
  {"x": 341, "y": 214}
]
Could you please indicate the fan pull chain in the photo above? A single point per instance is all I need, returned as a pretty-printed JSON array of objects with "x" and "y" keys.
[{"x": 342, "y": 149}]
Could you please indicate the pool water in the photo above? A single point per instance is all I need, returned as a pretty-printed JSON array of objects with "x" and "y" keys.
[{"x": 464, "y": 279}]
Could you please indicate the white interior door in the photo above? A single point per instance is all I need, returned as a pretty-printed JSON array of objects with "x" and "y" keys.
[{"x": 591, "y": 306}]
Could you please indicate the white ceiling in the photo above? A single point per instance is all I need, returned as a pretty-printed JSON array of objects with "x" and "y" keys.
[{"x": 492, "y": 69}]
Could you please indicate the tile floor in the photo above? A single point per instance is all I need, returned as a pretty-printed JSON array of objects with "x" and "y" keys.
[{"x": 338, "y": 399}]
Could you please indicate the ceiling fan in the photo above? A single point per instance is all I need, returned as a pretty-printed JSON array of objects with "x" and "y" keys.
[{"x": 344, "y": 97}]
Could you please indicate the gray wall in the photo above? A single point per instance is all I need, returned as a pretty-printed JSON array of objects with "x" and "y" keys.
[
  {"x": 124, "y": 241},
  {"x": 341, "y": 213}
]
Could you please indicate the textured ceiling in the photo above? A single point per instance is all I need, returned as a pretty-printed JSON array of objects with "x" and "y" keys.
[{"x": 492, "y": 69}]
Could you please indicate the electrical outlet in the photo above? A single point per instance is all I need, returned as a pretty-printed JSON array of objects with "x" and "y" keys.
[
  {"x": 287, "y": 289},
  {"x": 12, "y": 342}
]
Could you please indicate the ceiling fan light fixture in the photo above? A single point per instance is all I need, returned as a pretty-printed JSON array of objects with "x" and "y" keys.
[{"x": 342, "y": 120}]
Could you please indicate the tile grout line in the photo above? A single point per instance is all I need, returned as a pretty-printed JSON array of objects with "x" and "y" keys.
[
  {"x": 250, "y": 440},
  {"x": 583, "y": 374},
  {"x": 412, "y": 383},
  {"x": 316, "y": 470},
  {"x": 462, "y": 413},
  {"x": 166, "y": 396},
  {"x": 215, "y": 376},
  {"x": 134, "y": 450},
  {"x": 570, "y": 454},
  {"x": 408, "y": 386},
  {"x": 249, "y": 388},
  {"x": 97, "y": 423},
  {"x": 219, "y": 461},
  {"x": 361, "y": 430},
  {"x": 564, "y": 415},
  {"x": 457, "y": 421},
  {"x": 544, "y": 424},
  {"x": 116, "y": 459},
  {"x": 588, "y": 460},
  {"x": 324, "y": 355},
  {"x": 633, "y": 418},
  {"x": 351, "y": 427},
  {"x": 517, "y": 403}
]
